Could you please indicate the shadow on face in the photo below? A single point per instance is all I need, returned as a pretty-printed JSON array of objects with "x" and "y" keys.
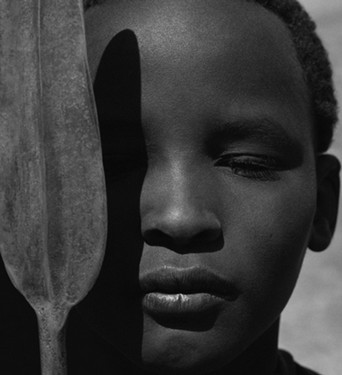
[{"x": 117, "y": 91}]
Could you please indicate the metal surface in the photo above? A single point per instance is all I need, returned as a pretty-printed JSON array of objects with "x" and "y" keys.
[{"x": 52, "y": 188}]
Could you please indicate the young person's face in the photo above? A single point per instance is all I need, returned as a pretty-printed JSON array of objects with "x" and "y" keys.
[{"x": 215, "y": 172}]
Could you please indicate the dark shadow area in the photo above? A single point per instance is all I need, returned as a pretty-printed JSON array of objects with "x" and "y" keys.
[
  {"x": 110, "y": 317},
  {"x": 19, "y": 343}
]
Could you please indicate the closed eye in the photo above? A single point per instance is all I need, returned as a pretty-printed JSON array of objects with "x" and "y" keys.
[{"x": 256, "y": 167}]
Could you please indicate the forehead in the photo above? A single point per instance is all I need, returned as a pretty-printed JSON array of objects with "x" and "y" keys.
[
  {"x": 178, "y": 28},
  {"x": 222, "y": 45}
]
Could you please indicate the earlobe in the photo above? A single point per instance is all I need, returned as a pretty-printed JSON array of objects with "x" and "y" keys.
[{"x": 328, "y": 189}]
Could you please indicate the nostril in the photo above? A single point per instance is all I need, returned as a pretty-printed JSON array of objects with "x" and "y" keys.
[
  {"x": 183, "y": 235},
  {"x": 155, "y": 237},
  {"x": 207, "y": 235}
]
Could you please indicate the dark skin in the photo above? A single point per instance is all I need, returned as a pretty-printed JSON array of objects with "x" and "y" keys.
[{"x": 216, "y": 135}]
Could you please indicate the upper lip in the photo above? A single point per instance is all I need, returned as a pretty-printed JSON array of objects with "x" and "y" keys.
[{"x": 173, "y": 280}]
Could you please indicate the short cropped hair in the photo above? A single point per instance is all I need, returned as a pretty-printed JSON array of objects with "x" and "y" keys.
[{"x": 313, "y": 58}]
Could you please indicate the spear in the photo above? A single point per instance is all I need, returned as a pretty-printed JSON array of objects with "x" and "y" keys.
[{"x": 53, "y": 219}]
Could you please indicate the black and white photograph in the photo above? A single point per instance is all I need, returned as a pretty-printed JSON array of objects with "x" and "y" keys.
[{"x": 170, "y": 187}]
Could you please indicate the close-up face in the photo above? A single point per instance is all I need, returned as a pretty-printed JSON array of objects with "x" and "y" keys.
[{"x": 209, "y": 156}]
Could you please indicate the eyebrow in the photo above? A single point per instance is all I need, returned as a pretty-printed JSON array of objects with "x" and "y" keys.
[{"x": 264, "y": 130}]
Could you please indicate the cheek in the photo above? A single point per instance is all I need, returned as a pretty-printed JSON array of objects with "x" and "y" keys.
[{"x": 271, "y": 234}]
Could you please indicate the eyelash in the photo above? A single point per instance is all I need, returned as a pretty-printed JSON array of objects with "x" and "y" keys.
[{"x": 260, "y": 167}]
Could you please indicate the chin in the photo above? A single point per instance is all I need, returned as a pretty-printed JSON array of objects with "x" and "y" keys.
[
  {"x": 176, "y": 361},
  {"x": 169, "y": 348}
]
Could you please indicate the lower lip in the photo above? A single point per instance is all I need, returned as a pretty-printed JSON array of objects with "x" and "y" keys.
[{"x": 180, "y": 304}]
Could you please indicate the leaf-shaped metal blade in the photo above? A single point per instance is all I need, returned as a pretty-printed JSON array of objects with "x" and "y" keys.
[
  {"x": 23, "y": 215},
  {"x": 75, "y": 185},
  {"x": 53, "y": 218}
]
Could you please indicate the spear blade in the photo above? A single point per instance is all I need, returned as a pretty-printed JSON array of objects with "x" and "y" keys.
[
  {"x": 22, "y": 186},
  {"x": 52, "y": 190},
  {"x": 75, "y": 184}
]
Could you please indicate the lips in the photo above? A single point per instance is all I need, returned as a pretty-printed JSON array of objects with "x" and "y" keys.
[{"x": 172, "y": 292}]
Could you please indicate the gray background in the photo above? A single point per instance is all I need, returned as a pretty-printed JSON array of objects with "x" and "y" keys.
[{"x": 312, "y": 322}]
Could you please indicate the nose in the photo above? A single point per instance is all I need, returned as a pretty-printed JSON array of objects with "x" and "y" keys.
[{"x": 178, "y": 212}]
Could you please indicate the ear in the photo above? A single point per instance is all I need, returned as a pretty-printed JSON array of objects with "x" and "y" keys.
[{"x": 328, "y": 189}]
